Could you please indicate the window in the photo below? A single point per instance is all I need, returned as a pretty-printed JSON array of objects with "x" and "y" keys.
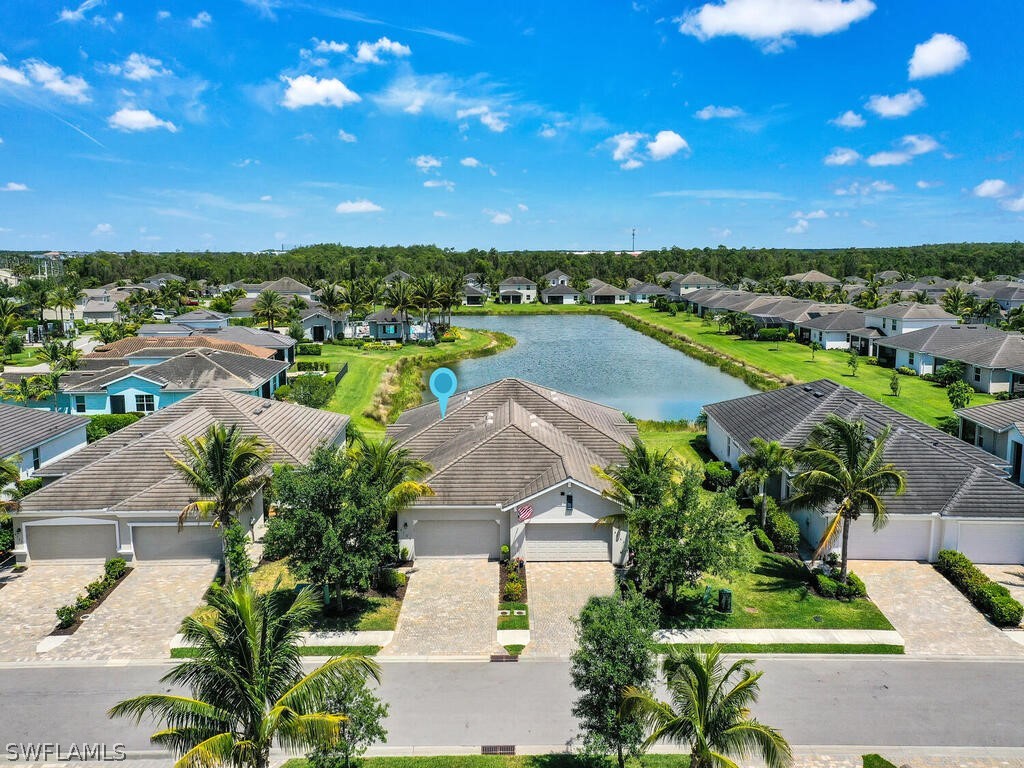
[
  {"x": 977, "y": 373},
  {"x": 389, "y": 329},
  {"x": 35, "y": 458},
  {"x": 910, "y": 359},
  {"x": 79, "y": 403},
  {"x": 568, "y": 504},
  {"x": 145, "y": 403}
]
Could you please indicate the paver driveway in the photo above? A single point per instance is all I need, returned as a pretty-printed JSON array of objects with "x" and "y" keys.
[
  {"x": 450, "y": 609},
  {"x": 142, "y": 615},
  {"x": 1010, "y": 576},
  {"x": 28, "y": 603},
  {"x": 556, "y": 593},
  {"x": 930, "y": 613}
]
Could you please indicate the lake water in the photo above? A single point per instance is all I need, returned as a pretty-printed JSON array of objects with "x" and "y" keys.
[{"x": 599, "y": 359}]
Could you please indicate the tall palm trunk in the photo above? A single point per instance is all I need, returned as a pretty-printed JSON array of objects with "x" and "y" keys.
[
  {"x": 764, "y": 505},
  {"x": 846, "y": 547}
]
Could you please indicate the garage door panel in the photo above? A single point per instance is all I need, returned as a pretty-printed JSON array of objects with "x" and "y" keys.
[
  {"x": 992, "y": 543},
  {"x": 165, "y": 542},
  {"x": 456, "y": 538},
  {"x": 71, "y": 542},
  {"x": 899, "y": 540},
  {"x": 568, "y": 541}
]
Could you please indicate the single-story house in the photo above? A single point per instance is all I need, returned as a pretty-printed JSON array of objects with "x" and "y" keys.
[
  {"x": 812, "y": 277},
  {"x": 517, "y": 290},
  {"x": 560, "y": 294},
  {"x": 162, "y": 278},
  {"x": 606, "y": 294},
  {"x": 149, "y": 388},
  {"x": 163, "y": 330},
  {"x": 512, "y": 465},
  {"x": 473, "y": 295},
  {"x": 888, "y": 275},
  {"x": 201, "y": 319},
  {"x": 999, "y": 429},
  {"x": 990, "y": 354},
  {"x": 832, "y": 331},
  {"x": 121, "y": 495},
  {"x": 556, "y": 277},
  {"x": 907, "y": 316},
  {"x": 286, "y": 286},
  {"x": 282, "y": 344},
  {"x": 644, "y": 293},
  {"x": 146, "y": 350},
  {"x": 320, "y": 325},
  {"x": 1009, "y": 297},
  {"x": 39, "y": 437},
  {"x": 100, "y": 311},
  {"x": 957, "y": 496},
  {"x": 680, "y": 285},
  {"x": 388, "y": 325}
]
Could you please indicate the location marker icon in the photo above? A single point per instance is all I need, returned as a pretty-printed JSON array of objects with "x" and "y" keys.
[{"x": 443, "y": 384}]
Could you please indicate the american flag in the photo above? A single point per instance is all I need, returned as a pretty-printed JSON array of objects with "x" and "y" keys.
[{"x": 525, "y": 512}]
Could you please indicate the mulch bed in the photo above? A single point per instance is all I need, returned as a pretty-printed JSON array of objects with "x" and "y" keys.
[
  {"x": 81, "y": 617},
  {"x": 503, "y": 577}
]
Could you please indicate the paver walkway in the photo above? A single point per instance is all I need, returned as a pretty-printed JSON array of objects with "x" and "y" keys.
[
  {"x": 450, "y": 609},
  {"x": 556, "y": 593},
  {"x": 141, "y": 615},
  {"x": 1010, "y": 576},
  {"x": 29, "y": 600},
  {"x": 930, "y": 613}
]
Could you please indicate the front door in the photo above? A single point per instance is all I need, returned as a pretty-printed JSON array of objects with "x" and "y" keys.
[
  {"x": 318, "y": 333},
  {"x": 117, "y": 403},
  {"x": 1018, "y": 450}
]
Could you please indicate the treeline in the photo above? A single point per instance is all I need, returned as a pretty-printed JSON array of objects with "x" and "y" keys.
[{"x": 341, "y": 262}]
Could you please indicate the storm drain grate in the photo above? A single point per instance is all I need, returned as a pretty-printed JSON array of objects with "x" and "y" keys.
[
  {"x": 498, "y": 749},
  {"x": 504, "y": 657}
]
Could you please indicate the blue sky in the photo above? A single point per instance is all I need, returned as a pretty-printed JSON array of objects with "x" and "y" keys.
[{"x": 245, "y": 124}]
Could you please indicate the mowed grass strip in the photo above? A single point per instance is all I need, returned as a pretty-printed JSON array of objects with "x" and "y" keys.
[
  {"x": 820, "y": 648},
  {"x": 513, "y": 761}
]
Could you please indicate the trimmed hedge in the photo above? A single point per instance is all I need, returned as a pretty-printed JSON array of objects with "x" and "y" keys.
[
  {"x": 717, "y": 476},
  {"x": 772, "y": 334},
  {"x": 834, "y": 589},
  {"x": 310, "y": 349},
  {"x": 312, "y": 365},
  {"x": 762, "y": 541},
  {"x": 113, "y": 570},
  {"x": 781, "y": 529},
  {"x": 994, "y": 600},
  {"x": 904, "y": 370},
  {"x": 103, "y": 424}
]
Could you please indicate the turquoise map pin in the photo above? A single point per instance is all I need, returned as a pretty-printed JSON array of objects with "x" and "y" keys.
[{"x": 443, "y": 384}]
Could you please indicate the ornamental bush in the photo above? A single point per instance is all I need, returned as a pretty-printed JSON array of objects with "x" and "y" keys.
[
  {"x": 904, "y": 370},
  {"x": 115, "y": 568},
  {"x": 312, "y": 365},
  {"x": 781, "y": 529},
  {"x": 762, "y": 541},
  {"x": 772, "y": 334},
  {"x": 834, "y": 589},
  {"x": 104, "y": 424},
  {"x": 513, "y": 590},
  {"x": 66, "y": 615},
  {"x": 990, "y": 598},
  {"x": 310, "y": 349},
  {"x": 717, "y": 476}
]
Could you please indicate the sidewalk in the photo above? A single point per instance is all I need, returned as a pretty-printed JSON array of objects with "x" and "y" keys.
[{"x": 776, "y": 636}]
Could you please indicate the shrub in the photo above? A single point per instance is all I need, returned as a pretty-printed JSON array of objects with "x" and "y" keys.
[
  {"x": 312, "y": 365},
  {"x": 104, "y": 424},
  {"x": 379, "y": 346},
  {"x": 83, "y": 603},
  {"x": 988, "y": 597},
  {"x": 762, "y": 541},
  {"x": 390, "y": 580},
  {"x": 403, "y": 555},
  {"x": 904, "y": 370},
  {"x": 284, "y": 392},
  {"x": 248, "y": 322},
  {"x": 349, "y": 342},
  {"x": 23, "y": 488},
  {"x": 505, "y": 552},
  {"x": 772, "y": 334},
  {"x": 949, "y": 372},
  {"x": 66, "y": 616},
  {"x": 781, "y": 529},
  {"x": 426, "y": 343},
  {"x": 309, "y": 349},
  {"x": 312, "y": 391},
  {"x": 235, "y": 541},
  {"x": 6, "y": 533},
  {"x": 871, "y": 361},
  {"x": 96, "y": 588},
  {"x": 115, "y": 568},
  {"x": 834, "y": 589},
  {"x": 513, "y": 590},
  {"x": 717, "y": 476}
]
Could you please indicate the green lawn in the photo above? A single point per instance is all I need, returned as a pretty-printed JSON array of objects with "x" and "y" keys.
[
  {"x": 24, "y": 358},
  {"x": 514, "y": 650},
  {"x": 876, "y": 761},
  {"x": 670, "y": 436},
  {"x": 516, "y": 761},
  {"x": 822, "y": 648},
  {"x": 775, "y": 594},
  {"x": 513, "y": 622}
]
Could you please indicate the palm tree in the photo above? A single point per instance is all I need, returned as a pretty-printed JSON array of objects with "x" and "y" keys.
[
  {"x": 247, "y": 690},
  {"x": 46, "y": 386},
  {"x": 988, "y": 310},
  {"x": 391, "y": 471},
  {"x": 399, "y": 295},
  {"x": 269, "y": 307},
  {"x": 764, "y": 461},
  {"x": 227, "y": 469},
  {"x": 10, "y": 470},
  {"x": 373, "y": 291},
  {"x": 921, "y": 297},
  {"x": 61, "y": 355},
  {"x": 708, "y": 711},
  {"x": 426, "y": 292},
  {"x": 298, "y": 303},
  {"x": 844, "y": 470},
  {"x": 20, "y": 391},
  {"x": 36, "y": 294},
  {"x": 956, "y": 302},
  {"x": 643, "y": 480},
  {"x": 64, "y": 298},
  {"x": 331, "y": 299},
  {"x": 869, "y": 298}
]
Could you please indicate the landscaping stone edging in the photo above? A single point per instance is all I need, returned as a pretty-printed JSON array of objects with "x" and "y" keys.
[
  {"x": 789, "y": 636},
  {"x": 315, "y": 639}
]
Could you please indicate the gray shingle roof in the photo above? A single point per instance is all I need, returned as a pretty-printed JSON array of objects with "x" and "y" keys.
[
  {"x": 286, "y": 285},
  {"x": 997, "y": 416},
  {"x": 254, "y": 336},
  {"x": 517, "y": 280},
  {"x": 811, "y": 276},
  {"x": 604, "y": 289},
  {"x": 24, "y": 427},
  {"x": 97, "y": 477},
  {"x": 651, "y": 289},
  {"x": 944, "y": 474},
  {"x": 846, "y": 320},
  {"x": 693, "y": 278},
  {"x": 560, "y": 290},
  {"x": 979, "y": 345},
  {"x": 911, "y": 310},
  {"x": 199, "y": 314}
]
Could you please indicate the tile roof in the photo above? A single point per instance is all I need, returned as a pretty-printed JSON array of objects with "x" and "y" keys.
[
  {"x": 979, "y": 345},
  {"x": 911, "y": 310},
  {"x": 95, "y": 478},
  {"x": 998, "y": 416},
  {"x": 199, "y": 314},
  {"x": 134, "y": 344},
  {"x": 651, "y": 289},
  {"x": 517, "y": 280},
  {"x": 944, "y": 474},
  {"x": 844, "y": 320},
  {"x": 693, "y": 278},
  {"x": 554, "y": 273},
  {"x": 811, "y": 276},
  {"x": 257, "y": 337},
  {"x": 560, "y": 290},
  {"x": 25, "y": 428},
  {"x": 604, "y": 289},
  {"x": 286, "y": 285}
]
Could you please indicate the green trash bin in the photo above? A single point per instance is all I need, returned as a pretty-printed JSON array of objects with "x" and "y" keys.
[{"x": 725, "y": 600}]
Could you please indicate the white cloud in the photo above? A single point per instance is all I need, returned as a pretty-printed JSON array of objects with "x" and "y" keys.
[
  {"x": 666, "y": 144},
  {"x": 497, "y": 217},
  {"x": 200, "y": 20},
  {"x": 440, "y": 184},
  {"x": 632, "y": 164},
  {"x": 53, "y": 79},
  {"x": 426, "y": 163},
  {"x": 358, "y": 206},
  {"x": 470, "y": 162},
  {"x": 103, "y": 229},
  {"x": 245, "y": 162},
  {"x": 522, "y": 207},
  {"x": 842, "y": 156},
  {"x": 773, "y": 23},
  {"x": 494, "y": 120},
  {"x": 992, "y": 188},
  {"x": 711, "y": 112},
  {"x": 869, "y": 188},
  {"x": 547, "y": 132},
  {"x": 266, "y": 199},
  {"x": 139, "y": 67},
  {"x": 923, "y": 184},
  {"x": 129, "y": 119},
  {"x": 801, "y": 226},
  {"x": 14, "y": 186},
  {"x": 912, "y": 146},
  {"x": 940, "y": 55},
  {"x": 818, "y": 214},
  {"x": 447, "y": 98},
  {"x": 78, "y": 14},
  {"x": 347, "y": 137},
  {"x": 849, "y": 119},
  {"x": 1016, "y": 205},
  {"x": 309, "y": 91},
  {"x": 369, "y": 53},
  {"x": 440, "y": 214},
  {"x": 898, "y": 105},
  {"x": 10, "y": 74},
  {"x": 623, "y": 147},
  {"x": 329, "y": 46},
  {"x": 163, "y": 15}
]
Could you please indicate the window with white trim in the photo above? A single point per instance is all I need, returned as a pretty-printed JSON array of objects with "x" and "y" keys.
[
  {"x": 145, "y": 403},
  {"x": 79, "y": 403}
]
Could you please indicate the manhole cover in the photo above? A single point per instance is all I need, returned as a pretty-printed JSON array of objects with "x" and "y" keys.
[{"x": 818, "y": 619}]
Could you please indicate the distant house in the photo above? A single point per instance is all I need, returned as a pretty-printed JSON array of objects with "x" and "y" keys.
[
  {"x": 163, "y": 330},
  {"x": 832, "y": 330},
  {"x": 887, "y": 275},
  {"x": 285, "y": 286},
  {"x": 681, "y": 285},
  {"x": 121, "y": 496},
  {"x": 37, "y": 437},
  {"x": 517, "y": 290},
  {"x": 556, "y": 277},
  {"x": 398, "y": 276},
  {"x": 282, "y": 344},
  {"x": 854, "y": 280},
  {"x": 1009, "y": 297},
  {"x": 999, "y": 429},
  {"x": 990, "y": 354},
  {"x": 473, "y": 295},
  {"x": 163, "y": 278},
  {"x": 8, "y": 278},
  {"x": 320, "y": 325},
  {"x": 388, "y": 325},
  {"x": 146, "y": 350},
  {"x": 560, "y": 294},
  {"x": 957, "y": 496},
  {"x": 668, "y": 276},
  {"x": 813, "y": 277},
  {"x": 907, "y": 316},
  {"x": 644, "y": 293},
  {"x": 606, "y": 294},
  {"x": 201, "y": 319},
  {"x": 475, "y": 279}
]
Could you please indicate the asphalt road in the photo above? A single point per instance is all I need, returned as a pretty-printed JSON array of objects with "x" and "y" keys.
[{"x": 814, "y": 701}]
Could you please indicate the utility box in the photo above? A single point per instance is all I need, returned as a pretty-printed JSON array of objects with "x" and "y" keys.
[{"x": 725, "y": 600}]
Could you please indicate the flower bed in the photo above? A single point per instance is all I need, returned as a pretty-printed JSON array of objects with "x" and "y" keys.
[
  {"x": 70, "y": 617},
  {"x": 512, "y": 581}
]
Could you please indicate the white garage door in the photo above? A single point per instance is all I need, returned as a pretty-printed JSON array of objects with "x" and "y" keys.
[
  {"x": 567, "y": 541},
  {"x": 992, "y": 543},
  {"x": 455, "y": 538},
  {"x": 901, "y": 539},
  {"x": 71, "y": 542},
  {"x": 164, "y": 542}
]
